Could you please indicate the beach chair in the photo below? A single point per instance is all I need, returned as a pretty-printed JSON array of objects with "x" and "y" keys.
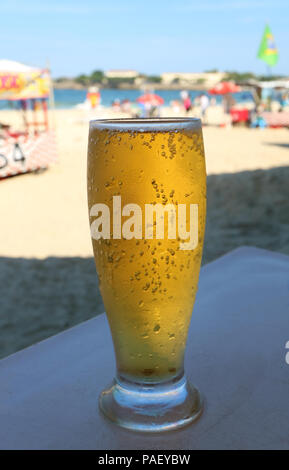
[{"x": 240, "y": 116}]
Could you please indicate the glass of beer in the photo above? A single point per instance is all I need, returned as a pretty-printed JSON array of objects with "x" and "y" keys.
[{"x": 147, "y": 209}]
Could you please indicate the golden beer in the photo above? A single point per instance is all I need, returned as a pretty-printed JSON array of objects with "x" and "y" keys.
[{"x": 148, "y": 282}]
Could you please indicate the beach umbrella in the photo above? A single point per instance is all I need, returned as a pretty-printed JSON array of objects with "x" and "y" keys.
[
  {"x": 150, "y": 98},
  {"x": 224, "y": 87}
]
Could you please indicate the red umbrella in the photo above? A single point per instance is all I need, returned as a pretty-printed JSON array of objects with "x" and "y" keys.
[
  {"x": 151, "y": 98},
  {"x": 224, "y": 87}
]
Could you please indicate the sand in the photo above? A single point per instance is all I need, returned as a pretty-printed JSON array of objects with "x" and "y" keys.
[{"x": 47, "y": 274}]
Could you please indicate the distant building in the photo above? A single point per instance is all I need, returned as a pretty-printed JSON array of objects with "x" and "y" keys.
[
  {"x": 208, "y": 79},
  {"x": 121, "y": 74}
]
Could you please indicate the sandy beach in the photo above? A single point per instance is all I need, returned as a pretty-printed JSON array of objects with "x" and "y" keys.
[{"x": 47, "y": 274}]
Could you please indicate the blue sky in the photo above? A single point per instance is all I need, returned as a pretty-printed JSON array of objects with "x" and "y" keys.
[{"x": 151, "y": 36}]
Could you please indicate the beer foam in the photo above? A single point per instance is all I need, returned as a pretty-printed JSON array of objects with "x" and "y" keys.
[{"x": 146, "y": 124}]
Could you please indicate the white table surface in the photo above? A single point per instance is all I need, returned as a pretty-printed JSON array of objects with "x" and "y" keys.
[{"x": 235, "y": 355}]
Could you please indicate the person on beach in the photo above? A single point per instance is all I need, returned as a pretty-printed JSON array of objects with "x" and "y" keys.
[
  {"x": 125, "y": 106},
  {"x": 187, "y": 102},
  {"x": 116, "y": 105},
  {"x": 204, "y": 104},
  {"x": 228, "y": 103},
  {"x": 93, "y": 97}
]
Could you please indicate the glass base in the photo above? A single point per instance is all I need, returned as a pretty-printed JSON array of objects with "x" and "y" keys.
[{"x": 151, "y": 407}]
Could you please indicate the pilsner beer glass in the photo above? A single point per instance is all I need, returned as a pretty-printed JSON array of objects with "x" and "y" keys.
[{"x": 147, "y": 209}]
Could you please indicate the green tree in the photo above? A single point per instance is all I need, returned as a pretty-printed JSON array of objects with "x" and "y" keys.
[
  {"x": 154, "y": 78},
  {"x": 116, "y": 82},
  {"x": 60, "y": 79},
  {"x": 82, "y": 79},
  {"x": 200, "y": 81},
  {"x": 238, "y": 77},
  {"x": 269, "y": 78},
  {"x": 96, "y": 76}
]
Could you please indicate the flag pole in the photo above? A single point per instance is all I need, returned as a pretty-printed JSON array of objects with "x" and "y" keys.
[{"x": 51, "y": 95}]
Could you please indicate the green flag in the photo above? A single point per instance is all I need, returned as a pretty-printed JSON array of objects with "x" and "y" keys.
[{"x": 267, "y": 50}]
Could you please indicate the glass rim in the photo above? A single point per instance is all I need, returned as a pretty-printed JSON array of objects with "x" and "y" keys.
[{"x": 147, "y": 124}]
